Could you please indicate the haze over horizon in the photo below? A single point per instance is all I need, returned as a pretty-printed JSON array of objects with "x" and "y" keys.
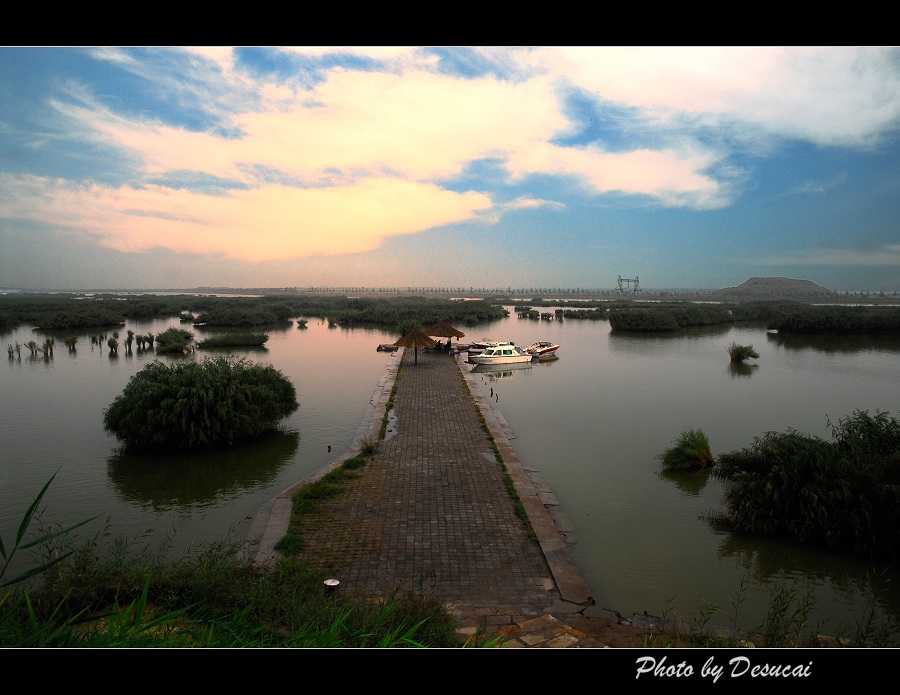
[{"x": 560, "y": 167}]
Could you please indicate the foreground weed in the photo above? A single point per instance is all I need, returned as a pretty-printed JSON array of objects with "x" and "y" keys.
[
  {"x": 788, "y": 614},
  {"x": 369, "y": 446},
  {"x": 213, "y": 601},
  {"x": 702, "y": 621},
  {"x": 21, "y": 544},
  {"x": 872, "y": 631},
  {"x": 133, "y": 625}
]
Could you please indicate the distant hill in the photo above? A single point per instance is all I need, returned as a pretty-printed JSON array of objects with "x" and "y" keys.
[{"x": 775, "y": 287}]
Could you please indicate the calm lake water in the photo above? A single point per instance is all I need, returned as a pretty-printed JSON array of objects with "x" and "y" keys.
[
  {"x": 51, "y": 421},
  {"x": 592, "y": 422}
]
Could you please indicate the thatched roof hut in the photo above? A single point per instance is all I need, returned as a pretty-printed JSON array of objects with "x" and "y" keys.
[
  {"x": 444, "y": 330},
  {"x": 416, "y": 339}
]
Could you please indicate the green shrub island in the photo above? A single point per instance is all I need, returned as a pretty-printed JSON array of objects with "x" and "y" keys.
[
  {"x": 200, "y": 404},
  {"x": 642, "y": 320},
  {"x": 174, "y": 340},
  {"x": 843, "y": 494}
]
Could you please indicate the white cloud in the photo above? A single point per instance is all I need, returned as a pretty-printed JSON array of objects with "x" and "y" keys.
[
  {"x": 532, "y": 203},
  {"x": 831, "y": 95},
  {"x": 418, "y": 125},
  {"x": 673, "y": 178},
  {"x": 818, "y": 186},
  {"x": 267, "y": 223},
  {"x": 362, "y": 155}
]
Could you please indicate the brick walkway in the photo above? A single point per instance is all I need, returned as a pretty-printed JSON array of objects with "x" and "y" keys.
[{"x": 432, "y": 510}]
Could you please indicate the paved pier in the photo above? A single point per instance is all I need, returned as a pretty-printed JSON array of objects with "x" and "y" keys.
[{"x": 432, "y": 512}]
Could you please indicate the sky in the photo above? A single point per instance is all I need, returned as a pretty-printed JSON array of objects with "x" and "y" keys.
[{"x": 143, "y": 167}]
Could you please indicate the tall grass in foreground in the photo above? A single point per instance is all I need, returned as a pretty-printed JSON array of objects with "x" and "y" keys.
[
  {"x": 210, "y": 600},
  {"x": 21, "y": 543}
]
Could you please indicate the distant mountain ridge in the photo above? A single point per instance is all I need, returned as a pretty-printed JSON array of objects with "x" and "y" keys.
[{"x": 775, "y": 287}]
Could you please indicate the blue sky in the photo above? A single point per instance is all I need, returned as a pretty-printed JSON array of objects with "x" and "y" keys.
[{"x": 549, "y": 166}]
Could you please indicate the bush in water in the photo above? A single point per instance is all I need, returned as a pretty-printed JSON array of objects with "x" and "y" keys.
[{"x": 200, "y": 404}]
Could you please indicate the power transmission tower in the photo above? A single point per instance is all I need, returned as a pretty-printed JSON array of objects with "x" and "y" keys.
[{"x": 634, "y": 284}]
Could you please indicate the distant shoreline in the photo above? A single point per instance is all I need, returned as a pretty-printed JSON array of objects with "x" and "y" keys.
[{"x": 517, "y": 295}]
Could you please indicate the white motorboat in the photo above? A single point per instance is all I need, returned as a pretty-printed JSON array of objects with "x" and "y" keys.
[
  {"x": 542, "y": 348},
  {"x": 480, "y": 346},
  {"x": 501, "y": 354}
]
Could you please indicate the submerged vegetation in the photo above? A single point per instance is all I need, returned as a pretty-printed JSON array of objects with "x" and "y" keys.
[
  {"x": 741, "y": 353},
  {"x": 842, "y": 494},
  {"x": 689, "y": 451}
]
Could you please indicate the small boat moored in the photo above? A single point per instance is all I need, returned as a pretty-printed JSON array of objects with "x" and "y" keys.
[
  {"x": 480, "y": 346},
  {"x": 505, "y": 353},
  {"x": 542, "y": 348}
]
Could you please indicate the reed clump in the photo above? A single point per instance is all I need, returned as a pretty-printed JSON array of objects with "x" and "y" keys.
[
  {"x": 689, "y": 451},
  {"x": 739, "y": 354}
]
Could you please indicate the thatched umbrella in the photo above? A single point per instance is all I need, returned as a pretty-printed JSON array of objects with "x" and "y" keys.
[
  {"x": 444, "y": 330},
  {"x": 416, "y": 339}
]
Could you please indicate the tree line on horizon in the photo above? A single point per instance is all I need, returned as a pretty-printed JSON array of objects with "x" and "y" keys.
[{"x": 54, "y": 312}]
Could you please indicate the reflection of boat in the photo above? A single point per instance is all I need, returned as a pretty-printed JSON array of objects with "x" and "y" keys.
[
  {"x": 542, "y": 348},
  {"x": 500, "y": 371},
  {"x": 501, "y": 354}
]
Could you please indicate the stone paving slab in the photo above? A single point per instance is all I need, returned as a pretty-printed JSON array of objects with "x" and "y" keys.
[{"x": 432, "y": 512}]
